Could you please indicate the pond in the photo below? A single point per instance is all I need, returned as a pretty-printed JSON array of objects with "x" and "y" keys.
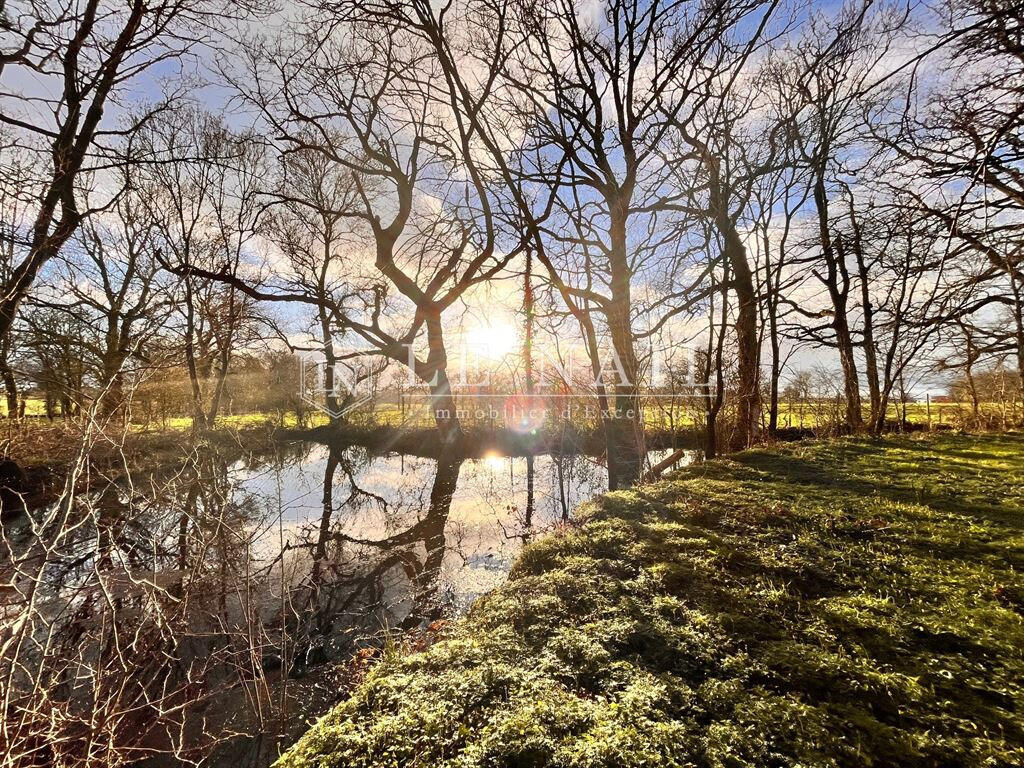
[
  {"x": 457, "y": 525},
  {"x": 271, "y": 579}
]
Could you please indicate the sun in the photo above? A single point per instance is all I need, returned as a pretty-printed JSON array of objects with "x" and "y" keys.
[
  {"x": 495, "y": 460},
  {"x": 494, "y": 342}
]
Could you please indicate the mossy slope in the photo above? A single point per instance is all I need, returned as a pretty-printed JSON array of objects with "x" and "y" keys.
[{"x": 849, "y": 603}]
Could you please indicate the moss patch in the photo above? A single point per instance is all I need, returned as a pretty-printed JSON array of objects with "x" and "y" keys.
[{"x": 843, "y": 603}]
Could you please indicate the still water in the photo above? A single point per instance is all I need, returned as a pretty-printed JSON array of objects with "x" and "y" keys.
[
  {"x": 246, "y": 589},
  {"x": 468, "y": 519},
  {"x": 382, "y": 503}
]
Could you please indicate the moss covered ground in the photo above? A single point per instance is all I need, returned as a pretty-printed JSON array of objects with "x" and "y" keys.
[{"x": 842, "y": 603}]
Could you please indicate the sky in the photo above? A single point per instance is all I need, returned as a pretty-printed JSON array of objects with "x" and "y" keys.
[{"x": 489, "y": 312}]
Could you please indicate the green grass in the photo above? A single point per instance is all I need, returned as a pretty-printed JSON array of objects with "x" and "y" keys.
[
  {"x": 34, "y": 406},
  {"x": 236, "y": 421},
  {"x": 810, "y": 416},
  {"x": 844, "y": 603}
]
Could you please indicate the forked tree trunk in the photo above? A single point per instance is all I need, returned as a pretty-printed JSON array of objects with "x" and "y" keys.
[
  {"x": 877, "y": 419},
  {"x": 851, "y": 384}
]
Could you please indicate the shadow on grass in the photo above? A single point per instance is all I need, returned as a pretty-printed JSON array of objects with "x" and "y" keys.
[
  {"x": 782, "y": 607},
  {"x": 969, "y": 479}
]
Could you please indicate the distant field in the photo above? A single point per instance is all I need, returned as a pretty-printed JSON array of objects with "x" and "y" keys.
[
  {"x": 237, "y": 421},
  {"x": 34, "y": 406},
  {"x": 416, "y": 413},
  {"x": 809, "y": 416}
]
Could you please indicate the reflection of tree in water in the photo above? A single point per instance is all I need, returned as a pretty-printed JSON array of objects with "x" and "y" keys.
[
  {"x": 348, "y": 579},
  {"x": 572, "y": 472},
  {"x": 571, "y": 477},
  {"x": 523, "y": 522},
  {"x": 125, "y": 613},
  {"x": 186, "y": 590}
]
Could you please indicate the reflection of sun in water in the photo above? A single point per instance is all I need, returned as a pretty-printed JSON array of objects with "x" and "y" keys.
[
  {"x": 495, "y": 460},
  {"x": 493, "y": 342}
]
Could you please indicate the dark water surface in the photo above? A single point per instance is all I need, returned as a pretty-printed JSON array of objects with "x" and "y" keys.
[{"x": 264, "y": 577}]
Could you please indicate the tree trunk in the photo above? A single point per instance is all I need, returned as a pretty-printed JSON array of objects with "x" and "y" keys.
[
  {"x": 603, "y": 405},
  {"x": 714, "y": 404},
  {"x": 749, "y": 396},
  {"x": 851, "y": 385},
  {"x": 837, "y": 281},
  {"x": 626, "y": 435},
  {"x": 711, "y": 435},
  {"x": 330, "y": 363},
  {"x": 776, "y": 370},
  {"x": 442, "y": 405},
  {"x": 112, "y": 385},
  {"x": 773, "y": 286},
  {"x": 1018, "y": 319},
  {"x": 435, "y": 374},
  {"x": 198, "y": 409},
  {"x": 218, "y": 390},
  {"x": 10, "y": 384},
  {"x": 870, "y": 351},
  {"x": 326, "y": 335},
  {"x": 972, "y": 387},
  {"x": 224, "y": 357}
]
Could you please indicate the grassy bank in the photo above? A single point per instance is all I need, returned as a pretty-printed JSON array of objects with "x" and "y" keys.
[{"x": 828, "y": 604}]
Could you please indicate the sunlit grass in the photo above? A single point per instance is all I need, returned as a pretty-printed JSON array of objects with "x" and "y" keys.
[
  {"x": 238, "y": 421},
  {"x": 656, "y": 416},
  {"x": 841, "y": 603},
  {"x": 34, "y": 406}
]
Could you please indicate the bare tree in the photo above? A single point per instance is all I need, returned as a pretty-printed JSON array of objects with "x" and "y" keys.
[
  {"x": 206, "y": 202},
  {"x": 88, "y": 55},
  {"x": 364, "y": 101},
  {"x": 834, "y": 71},
  {"x": 963, "y": 153},
  {"x": 592, "y": 97},
  {"x": 312, "y": 225},
  {"x": 116, "y": 294}
]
